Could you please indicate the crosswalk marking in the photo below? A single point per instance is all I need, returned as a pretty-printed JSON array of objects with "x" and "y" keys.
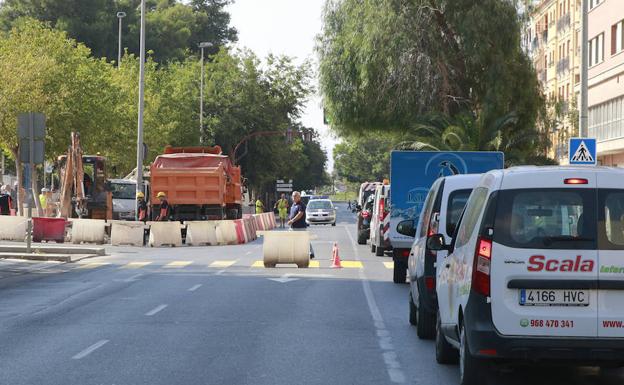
[
  {"x": 92, "y": 265},
  {"x": 389, "y": 265},
  {"x": 135, "y": 265},
  {"x": 258, "y": 264},
  {"x": 352, "y": 264},
  {"x": 177, "y": 264},
  {"x": 222, "y": 263},
  {"x": 314, "y": 264}
]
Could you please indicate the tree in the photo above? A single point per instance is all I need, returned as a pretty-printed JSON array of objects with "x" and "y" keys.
[
  {"x": 173, "y": 26},
  {"x": 384, "y": 64},
  {"x": 364, "y": 158}
]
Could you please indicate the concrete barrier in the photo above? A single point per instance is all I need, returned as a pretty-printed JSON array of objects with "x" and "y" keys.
[
  {"x": 240, "y": 231},
  {"x": 250, "y": 229},
  {"x": 226, "y": 233},
  {"x": 165, "y": 233},
  {"x": 88, "y": 231},
  {"x": 13, "y": 228},
  {"x": 286, "y": 247},
  {"x": 272, "y": 221},
  {"x": 201, "y": 233},
  {"x": 127, "y": 233},
  {"x": 259, "y": 222}
]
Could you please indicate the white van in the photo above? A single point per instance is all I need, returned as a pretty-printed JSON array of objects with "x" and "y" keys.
[
  {"x": 536, "y": 271},
  {"x": 380, "y": 211},
  {"x": 440, "y": 214}
]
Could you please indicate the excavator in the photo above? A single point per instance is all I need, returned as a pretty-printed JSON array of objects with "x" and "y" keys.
[{"x": 83, "y": 183}]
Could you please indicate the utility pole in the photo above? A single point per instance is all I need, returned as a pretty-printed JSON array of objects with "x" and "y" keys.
[
  {"x": 120, "y": 15},
  {"x": 202, "y": 131},
  {"x": 583, "y": 113},
  {"x": 139, "y": 174}
]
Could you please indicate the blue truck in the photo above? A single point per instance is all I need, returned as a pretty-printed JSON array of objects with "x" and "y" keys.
[{"x": 412, "y": 174}]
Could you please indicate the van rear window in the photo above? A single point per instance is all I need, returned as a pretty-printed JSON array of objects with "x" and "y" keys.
[
  {"x": 547, "y": 219},
  {"x": 456, "y": 203}
]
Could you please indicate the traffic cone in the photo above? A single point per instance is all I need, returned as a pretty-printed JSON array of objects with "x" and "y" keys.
[{"x": 335, "y": 257}]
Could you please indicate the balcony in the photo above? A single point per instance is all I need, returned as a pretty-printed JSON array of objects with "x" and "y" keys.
[
  {"x": 535, "y": 43},
  {"x": 563, "y": 22},
  {"x": 563, "y": 65},
  {"x": 545, "y": 37}
]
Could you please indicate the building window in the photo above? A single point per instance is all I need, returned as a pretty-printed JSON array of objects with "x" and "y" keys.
[
  {"x": 596, "y": 50},
  {"x": 617, "y": 38},
  {"x": 594, "y": 3},
  {"x": 606, "y": 120}
]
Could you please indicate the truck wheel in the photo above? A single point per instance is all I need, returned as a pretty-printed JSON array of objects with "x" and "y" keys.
[
  {"x": 379, "y": 251},
  {"x": 400, "y": 272},
  {"x": 426, "y": 322},
  {"x": 470, "y": 368},
  {"x": 412, "y": 311},
  {"x": 361, "y": 237},
  {"x": 445, "y": 352}
]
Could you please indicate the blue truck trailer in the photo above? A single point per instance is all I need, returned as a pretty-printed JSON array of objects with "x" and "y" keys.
[{"x": 412, "y": 174}]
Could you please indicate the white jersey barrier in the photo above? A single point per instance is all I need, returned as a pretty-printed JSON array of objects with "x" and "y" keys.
[
  {"x": 226, "y": 233},
  {"x": 286, "y": 247},
  {"x": 13, "y": 228},
  {"x": 165, "y": 233},
  {"x": 127, "y": 233},
  {"x": 88, "y": 231},
  {"x": 201, "y": 233}
]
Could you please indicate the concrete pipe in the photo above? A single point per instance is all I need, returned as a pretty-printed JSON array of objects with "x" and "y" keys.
[{"x": 286, "y": 247}]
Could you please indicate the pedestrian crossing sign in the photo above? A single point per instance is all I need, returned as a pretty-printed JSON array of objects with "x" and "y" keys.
[{"x": 582, "y": 151}]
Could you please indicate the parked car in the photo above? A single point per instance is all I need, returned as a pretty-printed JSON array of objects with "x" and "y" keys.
[
  {"x": 380, "y": 211},
  {"x": 124, "y": 198},
  {"x": 367, "y": 189},
  {"x": 320, "y": 212},
  {"x": 443, "y": 207},
  {"x": 535, "y": 271}
]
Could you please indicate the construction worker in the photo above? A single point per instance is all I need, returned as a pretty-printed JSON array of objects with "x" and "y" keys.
[
  {"x": 142, "y": 206},
  {"x": 6, "y": 202},
  {"x": 259, "y": 206},
  {"x": 164, "y": 207},
  {"x": 282, "y": 210},
  {"x": 43, "y": 200}
]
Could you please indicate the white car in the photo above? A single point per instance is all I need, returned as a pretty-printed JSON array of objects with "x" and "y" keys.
[
  {"x": 380, "y": 211},
  {"x": 536, "y": 271},
  {"x": 320, "y": 212},
  {"x": 443, "y": 207}
]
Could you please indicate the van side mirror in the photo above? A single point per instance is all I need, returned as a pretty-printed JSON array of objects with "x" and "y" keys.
[
  {"x": 436, "y": 242},
  {"x": 407, "y": 228}
]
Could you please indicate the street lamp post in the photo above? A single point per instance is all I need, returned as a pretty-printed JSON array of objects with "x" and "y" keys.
[
  {"x": 202, "y": 132},
  {"x": 139, "y": 174},
  {"x": 583, "y": 113},
  {"x": 120, "y": 15}
]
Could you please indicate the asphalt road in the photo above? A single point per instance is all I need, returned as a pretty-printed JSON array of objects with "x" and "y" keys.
[{"x": 212, "y": 315}]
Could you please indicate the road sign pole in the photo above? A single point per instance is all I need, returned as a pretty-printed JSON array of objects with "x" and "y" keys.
[{"x": 31, "y": 151}]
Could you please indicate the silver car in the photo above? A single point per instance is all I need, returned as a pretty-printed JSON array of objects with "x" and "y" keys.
[
  {"x": 321, "y": 212},
  {"x": 124, "y": 198}
]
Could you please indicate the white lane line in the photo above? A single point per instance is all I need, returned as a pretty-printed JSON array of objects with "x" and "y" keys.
[
  {"x": 220, "y": 272},
  {"x": 390, "y": 357},
  {"x": 248, "y": 253},
  {"x": 156, "y": 310},
  {"x": 90, "y": 349},
  {"x": 195, "y": 287}
]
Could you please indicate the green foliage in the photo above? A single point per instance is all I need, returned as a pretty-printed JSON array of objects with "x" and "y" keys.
[
  {"x": 363, "y": 158},
  {"x": 386, "y": 64},
  {"x": 173, "y": 27}
]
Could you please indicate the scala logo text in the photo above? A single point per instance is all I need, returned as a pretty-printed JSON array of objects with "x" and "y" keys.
[{"x": 541, "y": 263}]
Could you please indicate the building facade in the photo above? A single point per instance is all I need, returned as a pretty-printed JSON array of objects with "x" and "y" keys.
[
  {"x": 553, "y": 32},
  {"x": 606, "y": 79}
]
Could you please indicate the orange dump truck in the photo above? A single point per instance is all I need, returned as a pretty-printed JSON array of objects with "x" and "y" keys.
[{"x": 200, "y": 183}]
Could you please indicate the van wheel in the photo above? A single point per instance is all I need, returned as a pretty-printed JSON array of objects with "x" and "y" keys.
[
  {"x": 379, "y": 251},
  {"x": 470, "y": 367},
  {"x": 426, "y": 322},
  {"x": 412, "y": 310},
  {"x": 361, "y": 237},
  {"x": 445, "y": 352},
  {"x": 400, "y": 272}
]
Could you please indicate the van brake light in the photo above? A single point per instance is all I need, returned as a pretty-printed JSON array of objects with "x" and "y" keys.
[
  {"x": 575, "y": 181},
  {"x": 434, "y": 222},
  {"x": 481, "y": 268}
]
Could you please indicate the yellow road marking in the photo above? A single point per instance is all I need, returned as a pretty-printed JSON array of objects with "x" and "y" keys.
[
  {"x": 352, "y": 264},
  {"x": 222, "y": 263},
  {"x": 135, "y": 265},
  {"x": 389, "y": 265},
  {"x": 258, "y": 264},
  {"x": 93, "y": 265},
  {"x": 177, "y": 264},
  {"x": 315, "y": 264}
]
